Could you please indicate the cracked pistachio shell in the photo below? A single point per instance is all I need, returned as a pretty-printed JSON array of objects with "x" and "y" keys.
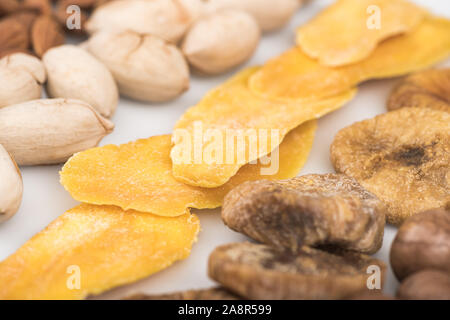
[
  {"x": 49, "y": 131},
  {"x": 21, "y": 78},
  {"x": 11, "y": 186},
  {"x": 167, "y": 19},
  {"x": 145, "y": 67},
  {"x": 221, "y": 41},
  {"x": 84, "y": 78}
]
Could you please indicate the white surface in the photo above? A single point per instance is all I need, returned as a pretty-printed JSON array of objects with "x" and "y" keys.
[{"x": 45, "y": 199}]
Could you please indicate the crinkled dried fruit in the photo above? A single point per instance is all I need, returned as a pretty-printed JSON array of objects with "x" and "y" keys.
[
  {"x": 107, "y": 175},
  {"x": 315, "y": 210},
  {"x": 295, "y": 76},
  {"x": 145, "y": 67},
  {"x": 426, "y": 89},
  {"x": 226, "y": 110},
  {"x": 348, "y": 30},
  {"x": 425, "y": 285},
  {"x": 403, "y": 157},
  {"x": 201, "y": 294},
  {"x": 97, "y": 247},
  {"x": 422, "y": 242},
  {"x": 257, "y": 271}
]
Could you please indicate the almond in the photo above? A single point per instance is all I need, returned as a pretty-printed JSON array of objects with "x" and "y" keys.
[
  {"x": 49, "y": 131},
  {"x": 270, "y": 14},
  {"x": 42, "y": 7},
  {"x": 13, "y": 35},
  {"x": 11, "y": 186},
  {"x": 221, "y": 41},
  {"x": 46, "y": 33},
  {"x": 25, "y": 17}
]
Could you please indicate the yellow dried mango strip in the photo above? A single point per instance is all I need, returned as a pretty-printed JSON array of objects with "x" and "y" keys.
[
  {"x": 349, "y": 30},
  {"x": 295, "y": 77},
  {"x": 91, "y": 249},
  {"x": 231, "y": 108},
  {"x": 138, "y": 176}
]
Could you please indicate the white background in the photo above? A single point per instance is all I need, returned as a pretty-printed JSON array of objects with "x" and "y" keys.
[{"x": 45, "y": 199}]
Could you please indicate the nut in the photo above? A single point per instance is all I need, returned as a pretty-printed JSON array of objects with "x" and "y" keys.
[
  {"x": 314, "y": 210},
  {"x": 167, "y": 19},
  {"x": 269, "y": 14},
  {"x": 422, "y": 242},
  {"x": 255, "y": 271},
  {"x": 221, "y": 41},
  {"x": 83, "y": 78},
  {"x": 145, "y": 67},
  {"x": 13, "y": 35},
  {"x": 217, "y": 293},
  {"x": 21, "y": 76},
  {"x": 425, "y": 285},
  {"x": 46, "y": 33},
  {"x": 49, "y": 131},
  {"x": 11, "y": 186}
]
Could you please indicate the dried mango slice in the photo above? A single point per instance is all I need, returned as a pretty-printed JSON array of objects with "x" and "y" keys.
[
  {"x": 138, "y": 175},
  {"x": 349, "y": 30},
  {"x": 426, "y": 89},
  {"x": 403, "y": 157},
  {"x": 91, "y": 249},
  {"x": 295, "y": 76},
  {"x": 230, "y": 108}
]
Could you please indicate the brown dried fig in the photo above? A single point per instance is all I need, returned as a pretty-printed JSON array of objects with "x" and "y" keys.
[
  {"x": 329, "y": 209},
  {"x": 256, "y": 271},
  {"x": 202, "y": 294},
  {"x": 422, "y": 242},
  {"x": 427, "y": 89},
  {"x": 425, "y": 285},
  {"x": 403, "y": 157}
]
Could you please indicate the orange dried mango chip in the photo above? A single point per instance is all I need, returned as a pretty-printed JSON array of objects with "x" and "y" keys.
[
  {"x": 138, "y": 176},
  {"x": 295, "y": 76},
  {"x": 349, "y": 30},
  {"x": 91, "y": 249},
  {"x": 233, "y": 108}
]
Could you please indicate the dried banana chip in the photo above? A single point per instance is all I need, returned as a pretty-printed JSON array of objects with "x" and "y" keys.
[
  {"x": 295, "y": 76},
  {"x": 429, "y": 89},
  {"x": 91, "y": 249},
  {"x": 138, "y": 175},
  {"x": 349, "y": 30},
  {"x": 232, "y": 109},
  {"x": 403, "y": 157}
]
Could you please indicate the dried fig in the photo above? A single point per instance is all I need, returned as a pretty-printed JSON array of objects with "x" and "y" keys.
[
  {"x": 429, "y": 89},
  {"x": 335, "y": 43},
  {"x": 422, "y": 242},
  {"x": 312, "y": 210},
  {"x": 257, "y": 271},
  {"x": 202, "y": 294},
  {"x": 403, "y": 157},
  {"x": 425, "y": 285}
]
